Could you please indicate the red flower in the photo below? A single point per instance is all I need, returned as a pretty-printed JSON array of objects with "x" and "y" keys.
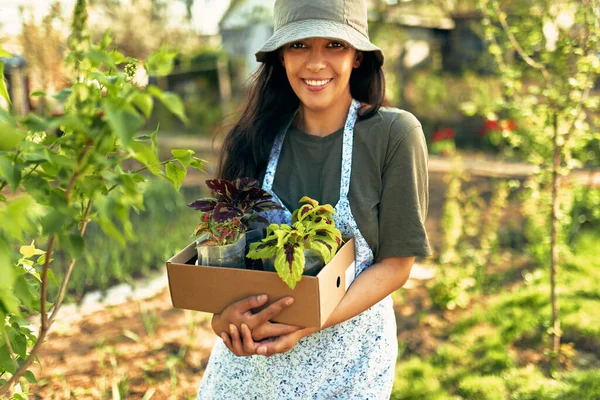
[{"x": 442, "y": 134}]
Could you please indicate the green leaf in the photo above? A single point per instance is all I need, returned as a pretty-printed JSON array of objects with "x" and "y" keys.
[
  {"x": 3, "y": 91},
  {"x": 263, "y": 249},
  {"x": 144, "y": 103},
  {"x": 176, "y": 175},
  {"x": 124, "y": 120},
  {"x": 23, "y": 292},
  {"x": 4, "y": 53},
  {"x": 145, "y": 155},
  {"x": 326, "y": 247},
  {"x": 30, "y": 251},
  {"x": 11, "y": 137},
  {"x": 198, "y": 164},
  {"x": 99, "y": 58},
  {"x": 74, "y": 245},
  {"x": 30, "y": 377},
  {"x": 110, "y": 229},
  {"x": 171, "y": 101},
  {"x": 53, "y": 222},
  {"x": 7, "y": 270},
  {"x": 6, "y": 362},
  {"x": 160, "y": 63},
  {"x": 38, "y": 93},
  {"x": 63, "y": 95},
  {"x": 289, "y": 264},
  {"x": 10, "y": 172},
  {"x": 185, "y": 157},
  {"x": 35, "y": 123}
]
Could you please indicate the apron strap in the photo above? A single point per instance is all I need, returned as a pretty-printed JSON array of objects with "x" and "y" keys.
[{"x": 347, "y": 149}]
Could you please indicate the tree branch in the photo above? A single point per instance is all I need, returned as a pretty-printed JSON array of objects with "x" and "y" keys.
[{"x": 515, "y": 44}]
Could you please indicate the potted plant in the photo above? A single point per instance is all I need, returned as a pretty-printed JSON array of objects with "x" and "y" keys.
[
  {"x": 302, "y": 248},
  {"x": 233, "y": 211}
]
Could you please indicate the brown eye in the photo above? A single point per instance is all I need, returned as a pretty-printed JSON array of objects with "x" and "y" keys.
[
  {"x": 337, "y": 45},
  {"x": 297, "y": 45}
]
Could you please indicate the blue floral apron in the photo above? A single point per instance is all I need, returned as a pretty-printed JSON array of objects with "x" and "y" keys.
[{"x": 352, "y": 360}]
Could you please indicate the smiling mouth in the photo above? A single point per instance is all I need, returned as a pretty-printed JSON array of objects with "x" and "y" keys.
[{"x": 316, "y": 83}]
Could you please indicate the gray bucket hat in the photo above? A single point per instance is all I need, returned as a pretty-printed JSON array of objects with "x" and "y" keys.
[{"x": 336, "y": 19}]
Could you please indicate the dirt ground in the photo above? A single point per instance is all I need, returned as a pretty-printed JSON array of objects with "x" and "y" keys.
[{"x": 147, "y": 349}]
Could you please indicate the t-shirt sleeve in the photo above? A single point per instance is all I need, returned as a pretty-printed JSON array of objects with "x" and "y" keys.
[{"x": 405, "y": 191}]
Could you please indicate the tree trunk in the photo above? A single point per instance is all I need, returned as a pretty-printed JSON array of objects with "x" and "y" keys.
[{"x": 556, "y": 333}]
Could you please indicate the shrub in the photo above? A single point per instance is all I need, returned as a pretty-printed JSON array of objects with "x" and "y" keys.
[{"x": 483, "y": 388}]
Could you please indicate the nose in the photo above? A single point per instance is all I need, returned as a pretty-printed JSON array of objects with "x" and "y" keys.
[{"x": 316, "y": 60}]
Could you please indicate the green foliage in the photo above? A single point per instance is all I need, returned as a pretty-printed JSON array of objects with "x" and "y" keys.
[
  {"x": 90, "y": 171},
  {"x": 417, "y": 379},
  {"x": 313, "y": 227},
  {"x": 482, "y": 388},
  {"x": 470, "y": 239}
]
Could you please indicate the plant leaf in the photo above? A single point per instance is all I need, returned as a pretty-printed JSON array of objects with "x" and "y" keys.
[
  {"x": 3, "y": 91},
  {"x": 124, "y": 120},
  {"x": 207, "y": 204},
  {"x": 289, "y": 263},
  {"x": 184, "y": 156},
  {"x": 176, "y": 175},
  {"x": 224, "y": 212}
]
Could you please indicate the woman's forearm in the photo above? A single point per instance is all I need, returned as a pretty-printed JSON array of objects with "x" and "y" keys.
[{"x": 371, "y": 286}]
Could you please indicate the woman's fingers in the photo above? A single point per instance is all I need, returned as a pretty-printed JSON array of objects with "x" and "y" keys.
[
  {"x": 272, "y": 310},
  {"x": 247, "y": 342},
  {"x": 236, "y": 341},
  {"x": 281, "y": 344},
  {"x": 251, "y": 302},
  {"x": 271, "y": 329}
]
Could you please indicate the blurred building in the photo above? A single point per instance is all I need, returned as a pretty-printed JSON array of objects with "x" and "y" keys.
[
  {"x": 17, "y": 83},
  {"x": 244, "y": 28}
]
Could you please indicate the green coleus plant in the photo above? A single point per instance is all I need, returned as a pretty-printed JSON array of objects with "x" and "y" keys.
[{"x": 312, "y": 227}]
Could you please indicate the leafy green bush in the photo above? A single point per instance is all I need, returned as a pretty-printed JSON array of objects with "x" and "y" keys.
[
  {"x": 417, "y": 379},
  {"x": 483, "y": 388}
]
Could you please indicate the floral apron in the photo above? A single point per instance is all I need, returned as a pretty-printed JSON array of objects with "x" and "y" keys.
[{"x": 351, "y": 360}]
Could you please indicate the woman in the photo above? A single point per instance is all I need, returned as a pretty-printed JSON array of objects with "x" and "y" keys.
[{"x": 313, "y": 125}]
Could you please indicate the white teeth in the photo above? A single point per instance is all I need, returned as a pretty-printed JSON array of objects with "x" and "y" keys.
[{"x": 317, "y": 83}]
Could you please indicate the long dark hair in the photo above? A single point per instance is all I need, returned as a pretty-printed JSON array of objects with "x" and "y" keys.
[{"x": 271, "y": 102}]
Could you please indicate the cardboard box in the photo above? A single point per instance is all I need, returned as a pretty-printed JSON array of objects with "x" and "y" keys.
[{"x": 212, "y": 289}]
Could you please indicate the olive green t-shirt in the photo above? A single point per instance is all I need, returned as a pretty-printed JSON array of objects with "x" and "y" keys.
[{"x": 389, "y": 186}]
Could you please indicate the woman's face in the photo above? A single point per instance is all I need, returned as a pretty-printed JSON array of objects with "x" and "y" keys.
[{"x": 319, "y": 69}]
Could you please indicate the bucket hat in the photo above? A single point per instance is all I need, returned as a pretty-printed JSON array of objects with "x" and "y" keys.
[{"x": 335, "y": 19}]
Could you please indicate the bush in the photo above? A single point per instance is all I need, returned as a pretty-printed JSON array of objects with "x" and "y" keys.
[
  {"x": 483, "y": 388},
  {"x": 417, "y": 380}
]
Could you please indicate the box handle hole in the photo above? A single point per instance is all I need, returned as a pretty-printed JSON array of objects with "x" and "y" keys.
[{"x": 339, "y": 281}]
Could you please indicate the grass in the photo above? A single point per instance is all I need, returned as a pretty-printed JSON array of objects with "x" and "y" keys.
[{"x": 498, "y": 348}]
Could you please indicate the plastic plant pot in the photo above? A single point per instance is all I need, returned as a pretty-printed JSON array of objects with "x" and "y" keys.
[
  {"x": 252, "y": 236},
  {"x": 229, "y": 255},
  {"x": 313, "y": 264}
]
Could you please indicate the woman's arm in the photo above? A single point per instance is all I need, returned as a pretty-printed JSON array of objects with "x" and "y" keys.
[{"x": 370, "y": 287}]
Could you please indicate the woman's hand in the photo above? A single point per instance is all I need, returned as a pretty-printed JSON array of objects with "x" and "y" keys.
[
  {"x": 244, "y": 345},
  {"x": 241, "y": 313}
]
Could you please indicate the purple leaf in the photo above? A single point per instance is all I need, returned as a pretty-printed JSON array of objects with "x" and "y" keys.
[
  {"x": 223, "y": 188},
  {"x": 224, "y": 212},
  {"x": 246, "y": 183},
  {"x": 203, "y": 205}
]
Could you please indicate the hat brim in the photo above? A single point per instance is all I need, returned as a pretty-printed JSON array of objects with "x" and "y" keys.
[{"x": 310, "y": 28}]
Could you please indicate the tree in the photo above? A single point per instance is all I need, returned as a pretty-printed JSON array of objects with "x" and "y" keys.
[
  {"x": 53, "y": 186},
  {"x": 548, "y": 87}
]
